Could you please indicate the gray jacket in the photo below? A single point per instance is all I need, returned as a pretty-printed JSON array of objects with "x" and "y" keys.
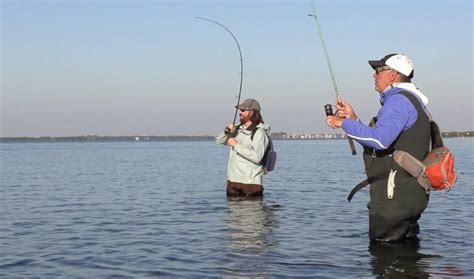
[{"x": 245, "y": 157}]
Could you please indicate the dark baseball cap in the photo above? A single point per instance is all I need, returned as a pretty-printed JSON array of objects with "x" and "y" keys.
[{"x": 249, "y": 104}]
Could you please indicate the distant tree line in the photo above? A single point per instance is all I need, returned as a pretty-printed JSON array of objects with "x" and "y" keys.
[
  {"x": 96, "y": 138},
  {"x": 458, "y": 134}
]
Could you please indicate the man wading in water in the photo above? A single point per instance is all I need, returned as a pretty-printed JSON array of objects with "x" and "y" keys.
[
  {"x": 248, "y": 142},
  {"x": 396, "y": 198}
]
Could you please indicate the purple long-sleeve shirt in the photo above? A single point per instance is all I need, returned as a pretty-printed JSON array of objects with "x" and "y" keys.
[{"x": 396, "y": 115}]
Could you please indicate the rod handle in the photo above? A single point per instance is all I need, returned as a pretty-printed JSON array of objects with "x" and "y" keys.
[{"x": 351, "y": 144}]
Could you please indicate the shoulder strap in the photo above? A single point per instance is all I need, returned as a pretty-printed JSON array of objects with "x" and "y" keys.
[
  {"x": 371, "y": 180},
  {"x": 366, "y": 182},
  {"x": 253, "y": 133},
  {"x": 416, "y": 102},
  {"x": 270, "y": 143},
  {"x": 254, "y": 130},
  {"x": 436, "y": 138}
]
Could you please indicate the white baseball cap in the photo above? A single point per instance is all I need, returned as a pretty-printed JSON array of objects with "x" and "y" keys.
[{"x": 399, "y": 62}]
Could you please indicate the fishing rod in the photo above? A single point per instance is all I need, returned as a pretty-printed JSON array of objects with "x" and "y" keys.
[
  {"x": 328, "y": 108},
  {"x": 241, "y": 64}
]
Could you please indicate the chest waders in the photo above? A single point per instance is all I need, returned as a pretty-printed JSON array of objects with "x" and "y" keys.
[{"x": 395, "y": 207}]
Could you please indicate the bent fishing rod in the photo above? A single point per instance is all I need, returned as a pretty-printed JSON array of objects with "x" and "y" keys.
[
  {"x": 328, "y": 108},
  {"x": 241, "y": 63}
]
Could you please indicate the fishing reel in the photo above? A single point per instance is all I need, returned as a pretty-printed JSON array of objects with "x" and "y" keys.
[
  {"x": 232, "y": 133},
  {"x": 229, "y": 131},
  {"x": 328, "y": 110}
]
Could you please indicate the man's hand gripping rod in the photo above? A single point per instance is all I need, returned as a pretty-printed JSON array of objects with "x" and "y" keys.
[{"x": 338, "y": 98}]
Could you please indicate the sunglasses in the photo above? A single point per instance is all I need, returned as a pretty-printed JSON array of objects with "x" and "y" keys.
[{"x": 381, "y": 69}]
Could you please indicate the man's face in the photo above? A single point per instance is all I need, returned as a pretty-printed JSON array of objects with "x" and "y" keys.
[
  {"x": 244, "y": 116},
  {"x": 384, "y": 76}
]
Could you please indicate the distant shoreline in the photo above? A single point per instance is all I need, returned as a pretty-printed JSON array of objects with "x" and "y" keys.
[{"x": 274, "y": 136}]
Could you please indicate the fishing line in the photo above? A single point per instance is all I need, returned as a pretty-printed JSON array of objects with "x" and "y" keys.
[
  {"x": 241, "y": 61},
  {"x": 314, "y": 15}
]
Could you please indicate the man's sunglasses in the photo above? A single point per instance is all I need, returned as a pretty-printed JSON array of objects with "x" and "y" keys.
[{"x": 381, "y": 69}]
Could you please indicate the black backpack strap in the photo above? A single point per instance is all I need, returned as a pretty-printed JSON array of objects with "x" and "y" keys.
[
  {"x": 269, "y": 147},
  {"x": 366, "y": 182},
  {"x": 253, "y": 133},
  {"x": 374, "y": 179},
  {"x": 270, "y": 143},
  {"x": 253, "y": 128},
  {"x": 436, "y": 138}
]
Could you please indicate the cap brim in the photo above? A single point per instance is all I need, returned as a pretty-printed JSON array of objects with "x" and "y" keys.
[
  {"x": 376, "y": 63},
  {"x": 242, "y": 107}
]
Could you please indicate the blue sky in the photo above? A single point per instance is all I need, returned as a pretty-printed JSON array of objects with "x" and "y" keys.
[{"x": 87, "y": 67}]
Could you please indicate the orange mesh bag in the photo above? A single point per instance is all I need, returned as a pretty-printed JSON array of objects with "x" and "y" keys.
[
  {"x": 437, "y": 171},
  {"x": 440, "y": 169}
]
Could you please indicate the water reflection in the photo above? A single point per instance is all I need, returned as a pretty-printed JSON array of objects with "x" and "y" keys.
[
  {"x": 398, "y": 260},
  {"x": 251, "y": 223}
]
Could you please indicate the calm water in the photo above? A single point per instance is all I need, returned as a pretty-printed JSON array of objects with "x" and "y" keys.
[{"x": 137, "y": 210}]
